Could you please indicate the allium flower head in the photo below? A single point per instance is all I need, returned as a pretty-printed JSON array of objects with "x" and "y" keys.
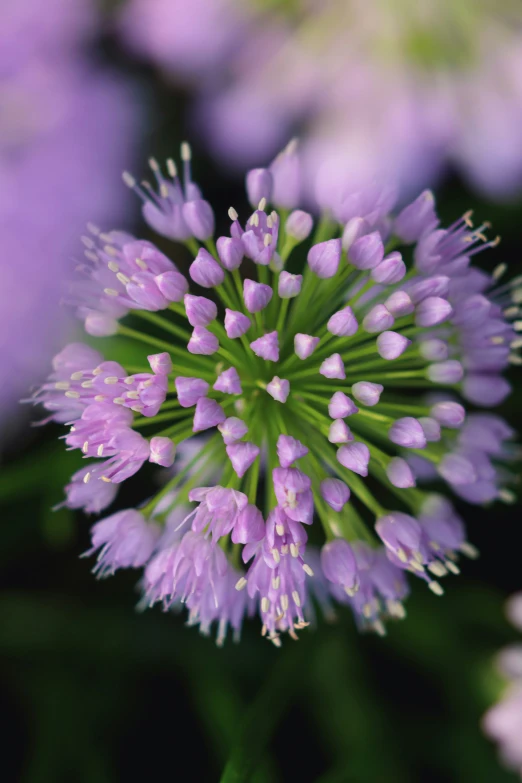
[{"x": 303, "y": 386}]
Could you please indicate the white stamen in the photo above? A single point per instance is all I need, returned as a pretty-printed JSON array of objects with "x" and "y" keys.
[
  {"x": 262, "y": 205},
  {"x": 499, "y": 271},
  {"x": 437, "y": 569},
  {"x": 265, "y": 605},
  {"x": 85, "y": 447},
  {"x": 110, "y": 292},
  {"x": 276, "y": 581},
  {"x": 133, "y": 395},
  {"x": 294, "y": 551},
  {"x": 128, "y": 179},
  {"x": 232, "y": 214},
  {"x": 241, "y": 583},
  {"x": 469, "y": 550},
  {"x": 62, "y": 385},
  {"x": 107, "y": 480},
  {"x": 297, "y": 600},
  {"x": 110, "y": 380},
  {"x": 86, "y": 478},
  {"x": 307, "y": 569},
  {"x": 436, "y": 588},
  {"x": 73, "y": 395},
  {"x": 123, "y": 278},
  {"x": 284, "y": 602},
  {"x": 76, "y": 376},
  {"x": 186, "y": 152},
  {"x": 99, "y": 451},
  {"x": 506, "y": 496},
  {"x": 171, "y": 168},
  {"x": 280, "y": 529},
  {"x": 451, "y": 566},
  {"x": 164, "y": 191},
  {"x": 141, "y": 263},
  {"x": 267, "y": 241},
  {"x": 153, "y": 163},
  {"x": 100, "y": 397},
  {"x": 87, "y": 384}
]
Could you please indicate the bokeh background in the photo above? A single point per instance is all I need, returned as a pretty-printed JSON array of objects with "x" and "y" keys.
[{"x": 90, "y": 689}]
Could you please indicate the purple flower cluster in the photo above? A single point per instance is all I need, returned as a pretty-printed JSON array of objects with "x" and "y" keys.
[
  {"x": 503, "y": 722},
  {"x": 409, "y": 88},
  {"x": 303, "y": 385},
  {"x": 68, "y": 126}
]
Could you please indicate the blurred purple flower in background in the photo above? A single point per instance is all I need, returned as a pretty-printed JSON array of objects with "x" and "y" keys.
[
  {"x": 404, "y": 88},
  {"x": 503, "y": 722},
  {"x": 67, "y": 128}
]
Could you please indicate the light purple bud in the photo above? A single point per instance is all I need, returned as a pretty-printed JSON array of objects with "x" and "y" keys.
[
  {"x": 146, "y": 292},
  {"x": 228, "y": 382},
  {"x": 354, "y": 229},
  {"x": 162, "y": 451},
  {"x": 391, "y": 270},
  {"x": 399, "y": 304},
  {"x": 267, "y": 347},
  {"x": 305, "y": 345},
  {"x": 205, "y": 270},
  {"x": 343, "y": 323},
  {"x": 172, "y": 285},
  {"x": 289, "y": 450},
  {"x": 339, "y": 432},
  {"x": 431, "y": 286},
  {"x": 289, "y": 285},
  {"x": 457, "y": 469},
  {"x": 400, "y": 532},
  {"x": 333, "y": 367},
  {"x": 199, "y": 217},
  {"x": 339, "y": 565},
  {"x": 473, "y": 311},
  {"x": 259, "y": 184},
  {"x": 249, "y": 526},
  {"x": 100, "y": 325},
  {"x": 391, "y": 345},
  {"x": 236, "y": 323},
  {"x": 341, "y": 406},
  {"x": 335, "y": 493},
  {"x": 278, "y": 388},
  {"x": 432, "y": 311},
  {"x": 189, "y": 390},
  {"x": 449, "y": 414},
  {"x": 230, "y": 252},
  {"x": 367, "y": 251},
  {"x": 355, "y": 457},
  {"x": 242, "y": 455},
  {"x": 417, "y": 218},
  {"x": 202, "y": 342},
  {"x": 299, "y": 225},
  {"x": 431, "y": 428},
  {"x": 200, "y": 310},
  {"x": 434, "y": 350},
  {"x": 449, "y": 371},
  {"x": 407, "y": 432},
  {"x": 209, "y": 413},
  {"x": 286, "y": 174},
  {"x": 324, "y": 258},
  {"x": 256, "y": 295},
  {"x": 368, "y": 393},
  {"x": 485, "y": 390},
  {"x": 399, "y": 473},
  {"x": 232, "y": 429},
  {"x": 378, "y": 319},
  {"x": 160, "y": 363}
]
